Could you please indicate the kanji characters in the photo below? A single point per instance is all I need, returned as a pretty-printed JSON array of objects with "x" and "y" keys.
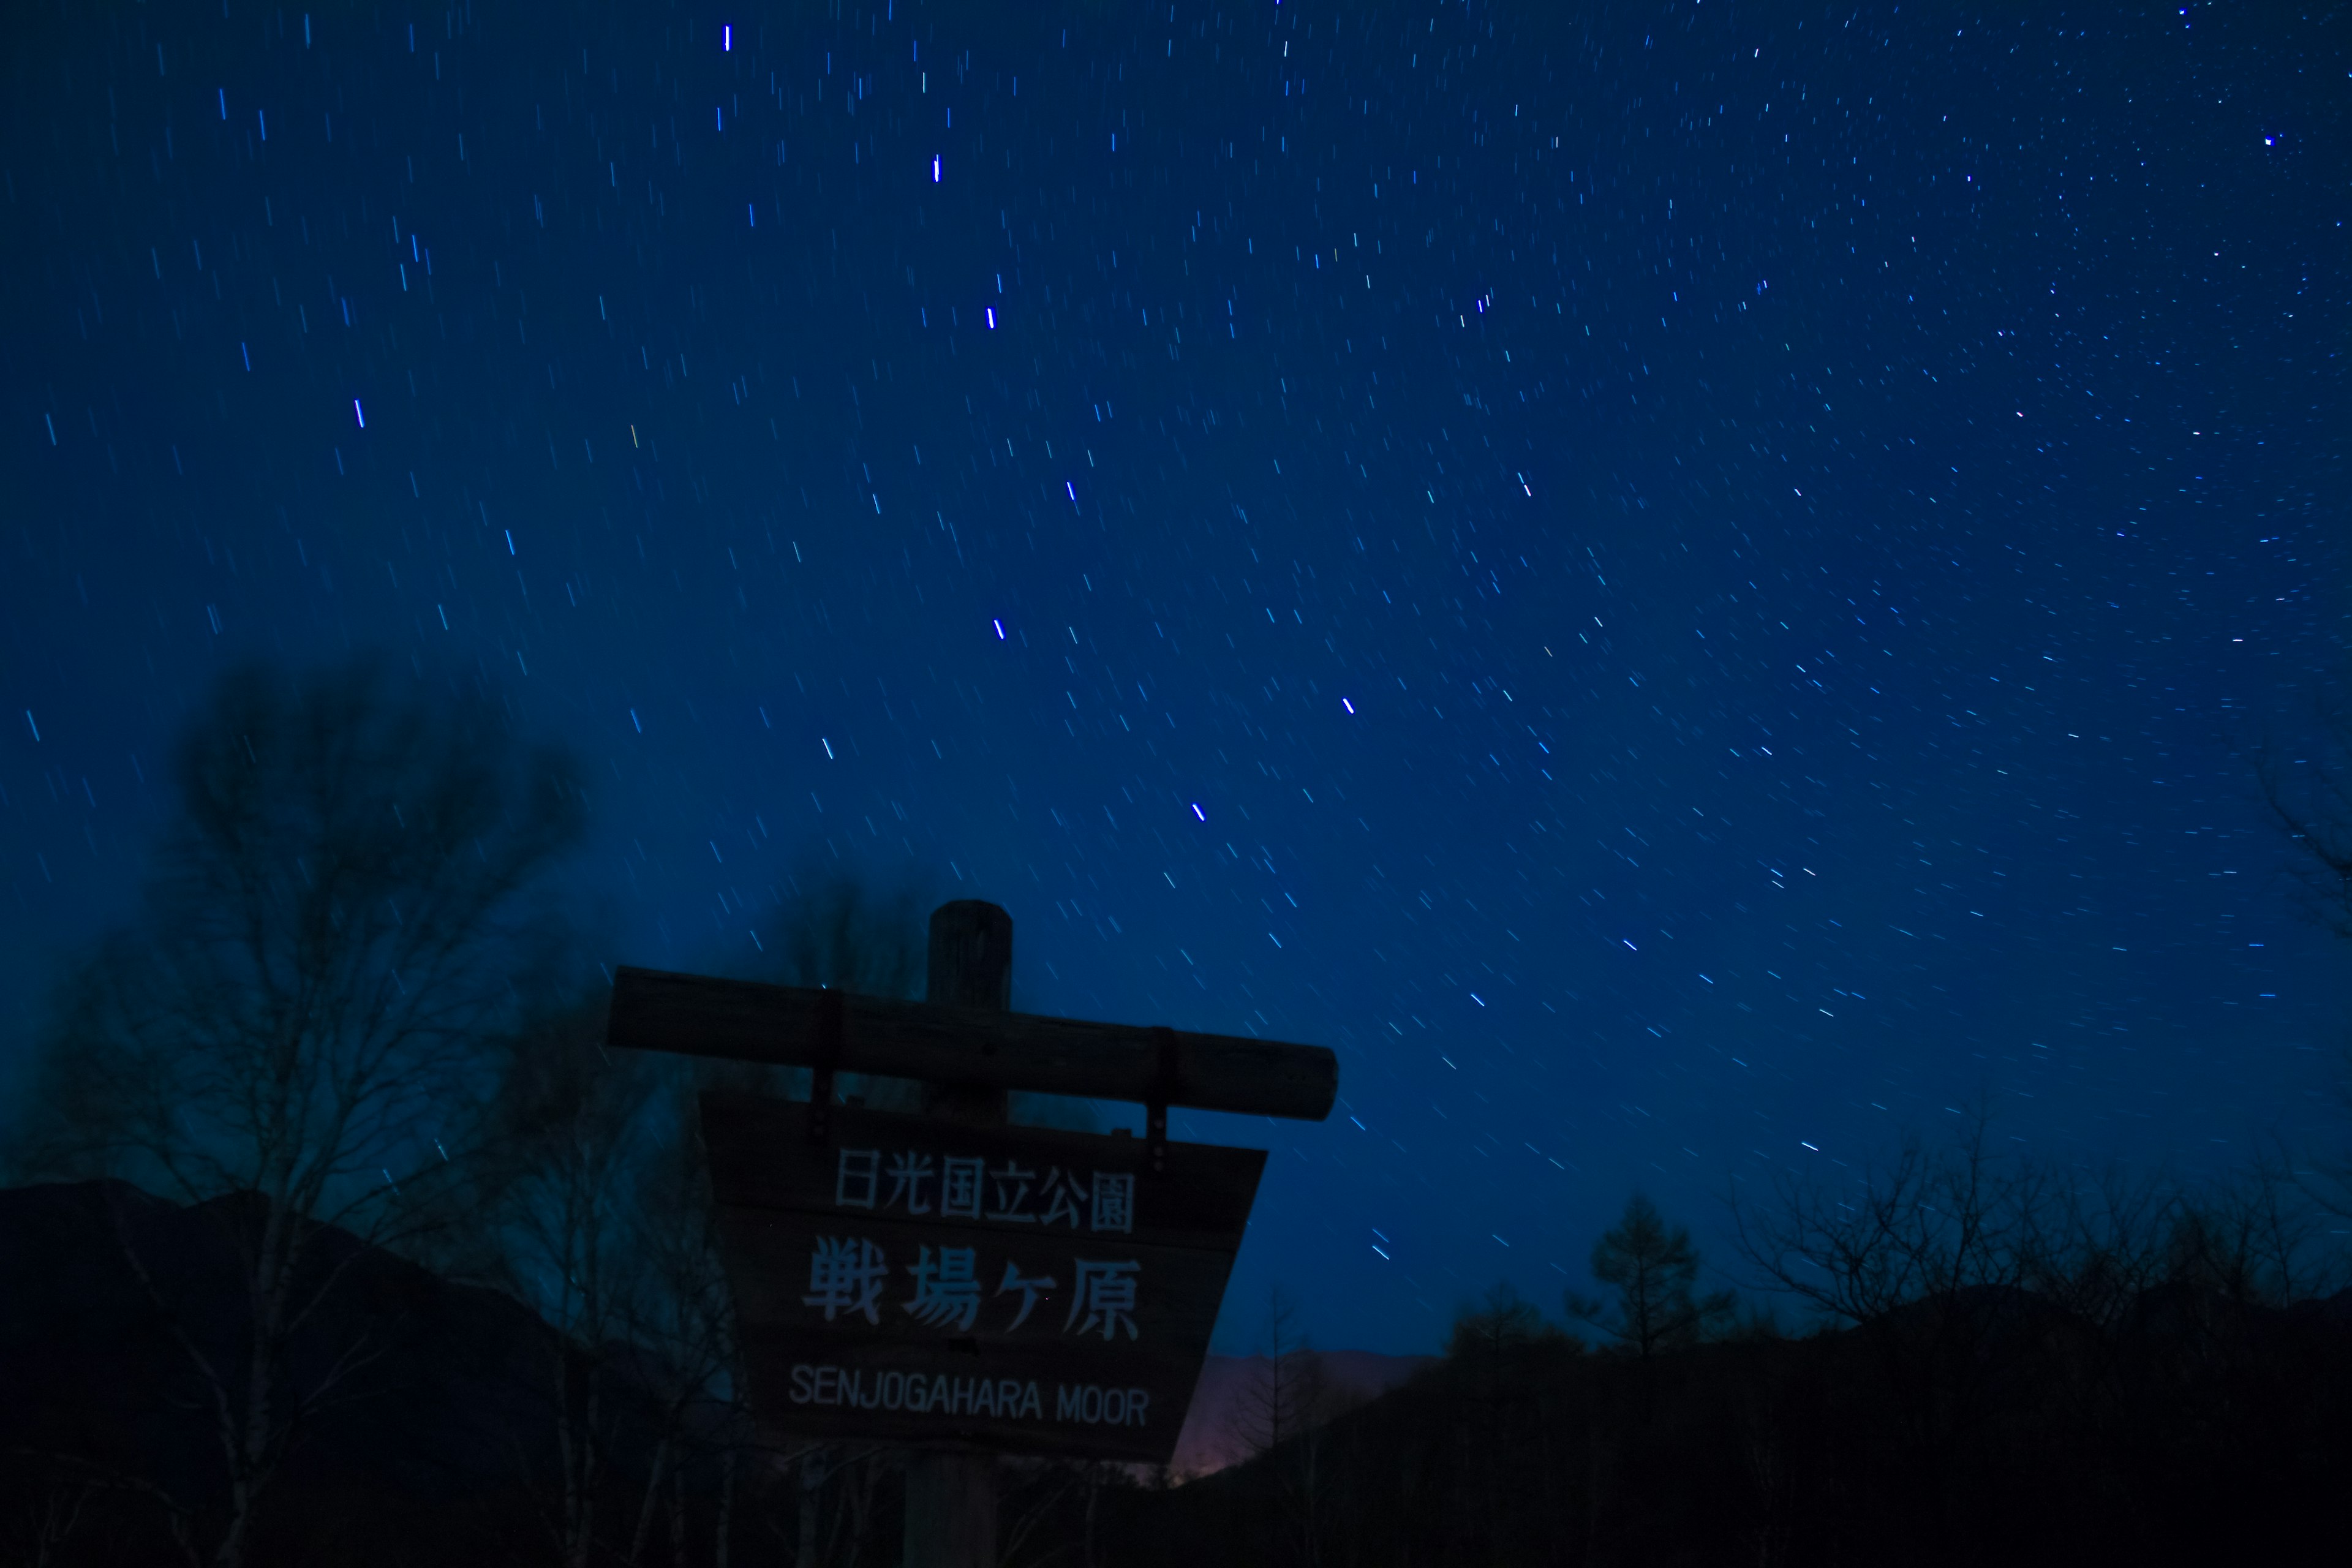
[
  {"x": 910, "y": 1174},
  {"x": 1063, "y": 1194},
  {"x": 1114, "y": 1206},
  {"x": 947, "y": 1292},
  {"x": 846, "y": 1275},
  {"x": 1106, "y": 1294},
  {"x": 1031, "y": 1290},
  {"x": 959, "y": 1188},
  {"x": 1012, "y": 1188},
  {"x": 856, "y": 1177}
]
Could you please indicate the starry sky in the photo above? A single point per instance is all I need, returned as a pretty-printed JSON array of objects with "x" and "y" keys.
[{"x": 1691, "y": 587}]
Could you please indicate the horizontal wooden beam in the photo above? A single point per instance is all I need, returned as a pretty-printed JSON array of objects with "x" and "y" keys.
[{"x": 695, "y": 1014}]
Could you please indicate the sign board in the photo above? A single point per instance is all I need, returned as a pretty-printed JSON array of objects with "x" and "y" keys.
[
  {"x": 787, "y": 1026},
  {"x": 910, "y": 1280}
]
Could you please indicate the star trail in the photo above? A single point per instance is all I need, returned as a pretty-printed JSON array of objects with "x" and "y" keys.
[{"x": 1690, "y": 586}]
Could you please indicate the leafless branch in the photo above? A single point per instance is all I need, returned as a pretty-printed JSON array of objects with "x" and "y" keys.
[{"x": 329, "y": 931}]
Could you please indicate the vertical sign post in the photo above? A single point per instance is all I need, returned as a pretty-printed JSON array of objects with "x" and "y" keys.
[{"x": 951, "y": 1492}]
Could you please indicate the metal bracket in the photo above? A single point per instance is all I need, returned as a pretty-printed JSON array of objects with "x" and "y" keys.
[
  {"x": 1155, "y": 1109},
  {"x": 829, "y": 1007}
]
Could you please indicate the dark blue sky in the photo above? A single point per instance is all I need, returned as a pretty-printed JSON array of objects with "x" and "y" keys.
[{"x": 1689, "y": 587}]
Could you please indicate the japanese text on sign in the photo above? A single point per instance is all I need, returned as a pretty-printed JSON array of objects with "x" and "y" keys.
[
  {"x": 848, "y": 1275},
  {"x": 956, "y": 1187}
]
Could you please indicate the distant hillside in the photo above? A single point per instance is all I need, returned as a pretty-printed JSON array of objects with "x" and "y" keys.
[
  {"x": 2190, "y": 1426},
  {"x": 445, "y": 1440},
  {"x": 1227, "y": 1422}
]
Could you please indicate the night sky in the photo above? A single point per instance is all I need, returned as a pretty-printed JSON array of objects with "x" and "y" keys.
[{"x": 1691, "y": 587}]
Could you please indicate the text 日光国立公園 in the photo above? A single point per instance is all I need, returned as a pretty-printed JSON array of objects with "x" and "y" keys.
[{"x": 963, "y": 1187}]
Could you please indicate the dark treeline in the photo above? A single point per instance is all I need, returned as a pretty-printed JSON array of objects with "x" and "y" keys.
[
  {"x": 2011, "y": 1366},
  {"x": 337, "y": 1234}
]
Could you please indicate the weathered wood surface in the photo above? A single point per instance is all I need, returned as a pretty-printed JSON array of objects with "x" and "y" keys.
[
  {"x": 829, "y": 1356},
  {"x": 951, "y": 1512},
  {"x": 694, "y": 1014},
  {"x": 952, "y": 1496}
]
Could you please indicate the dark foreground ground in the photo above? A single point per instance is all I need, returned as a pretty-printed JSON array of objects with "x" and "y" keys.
[
  {"x": 2187, "y": 1421},
  {"x": 1989, "y": 1430}
]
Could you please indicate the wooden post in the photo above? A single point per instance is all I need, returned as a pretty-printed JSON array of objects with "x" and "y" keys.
[
  {"x": 951, "y": 1493},
  {"x": 785, "y": 1175},
  {"x": 950, "y": 1509}
]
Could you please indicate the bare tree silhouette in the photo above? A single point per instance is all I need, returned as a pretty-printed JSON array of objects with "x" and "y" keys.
[
  {"x": 845, "y": 927},
  {"x": 288, "y": 1030},
  {"x": 2310, "y": 796},
  {"x": 837, "y": 927},
  {"x": 1285, "y": 1405},
  {"x": 1495, "y": 1344},
  {"x": 580, "y": 1213}
]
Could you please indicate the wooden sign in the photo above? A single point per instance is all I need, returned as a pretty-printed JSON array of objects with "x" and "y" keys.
[
  {"x": 947, "y": 1282},
  {"x": 787, "y": 1026},
  {"x": 911, "y": 1280}
]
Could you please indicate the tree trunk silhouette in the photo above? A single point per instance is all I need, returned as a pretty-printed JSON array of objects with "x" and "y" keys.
[{"x": 287, "y": 1035}]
